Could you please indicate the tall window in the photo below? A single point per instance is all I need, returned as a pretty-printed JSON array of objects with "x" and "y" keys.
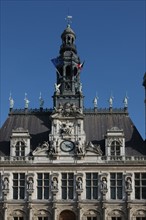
[
  {"x": 91, "y": 185},
  {"x": 43, "y": 185},
  {"x": 140, "y": 185},
  {"x": 91, "y": 218},
  {"x": 116, "y": 186},
  {"x": 116, "y": 218},
  {"x": 18, "y": 185},
  {"x": 67, "y": 185},
  {"x": 18, "y": 218},
  {"x": 20, "y": 149},
  {"x": 43, "y": 218},
  {"x": 115, "y": 148},
  {"x": 140, "y": 218}
]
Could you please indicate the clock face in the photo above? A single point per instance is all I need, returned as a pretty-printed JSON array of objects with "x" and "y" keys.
[{"x": 67, "y": 146}]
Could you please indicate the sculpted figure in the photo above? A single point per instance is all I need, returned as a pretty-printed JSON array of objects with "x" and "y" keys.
[
  {"x": 79, "y": 183},
  {"x": 128, "y": 183},
  {"x": 30, "y": 183},
  {"x": 6, "y": 183},
  {"x": 57, "y": 88},
  {"x": 104, "y": 184},
  {"x": 55, "y": 183}
]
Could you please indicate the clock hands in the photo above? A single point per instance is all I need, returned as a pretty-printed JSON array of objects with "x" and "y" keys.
[{"x": 67, "y": 145}]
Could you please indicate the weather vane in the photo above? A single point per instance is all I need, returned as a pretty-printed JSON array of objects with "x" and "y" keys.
[{"x": 68, "y": 19}]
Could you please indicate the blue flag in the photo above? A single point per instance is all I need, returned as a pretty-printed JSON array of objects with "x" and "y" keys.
[{"x": 57, "y": 61}]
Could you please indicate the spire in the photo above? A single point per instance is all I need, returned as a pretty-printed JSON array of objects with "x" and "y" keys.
[{"x": 68, "y": 87}]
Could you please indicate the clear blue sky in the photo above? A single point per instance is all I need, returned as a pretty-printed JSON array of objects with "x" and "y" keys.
[{"x": 110, "y": 38}]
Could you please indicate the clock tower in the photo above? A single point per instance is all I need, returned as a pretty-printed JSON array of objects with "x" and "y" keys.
[{"x": 67, "y": 135}]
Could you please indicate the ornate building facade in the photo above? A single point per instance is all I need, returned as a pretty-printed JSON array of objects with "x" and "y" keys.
[{"x": 69, "y": 162}]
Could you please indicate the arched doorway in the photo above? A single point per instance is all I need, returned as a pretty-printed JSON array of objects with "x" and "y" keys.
[{"x": 67, "y": 215}]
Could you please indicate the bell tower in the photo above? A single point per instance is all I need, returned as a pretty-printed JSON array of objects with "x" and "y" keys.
[
  {"x": 67, "y": 135},
  {"x": 68, "y": 87}
]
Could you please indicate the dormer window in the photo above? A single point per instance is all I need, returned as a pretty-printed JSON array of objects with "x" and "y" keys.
[
  {"x": 20, "y": 149},
  {"x": 115, "y": 143},
  {"x": 20, "y": 143},
  {"x": 115, "y": 148}
]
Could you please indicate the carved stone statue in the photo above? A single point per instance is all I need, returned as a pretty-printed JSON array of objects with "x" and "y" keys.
[
  {"x": 11, "y": 102},
  {"x": 57, "y": 88},
  {"x": 128, "y": 184},
  {"x": 79, "y": 146},
  {"x": 54, "y": 183},
  {"x": 53, "y": 147},
  {"x": 111, "y": 101},
  {"x": 5, "y": 183},
  {"x": 104, "y": 184},
  {"x": 80, "y": 87},
  {"x": 125, "y": 101},
  {"x": 26, "y": 101},
  {"x": 66, "y": 128},
  {"x": 30, "y": 183},
  {"x": 79, "y": 183},
  {"x": 41, "y": 101}
]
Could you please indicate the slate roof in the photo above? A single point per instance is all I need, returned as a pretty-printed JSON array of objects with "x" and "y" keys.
[{"x": 96, "y": 124}]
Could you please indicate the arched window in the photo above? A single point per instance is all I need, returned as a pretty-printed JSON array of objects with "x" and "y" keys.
[
  {"x": 115, "y": 148},
  {"x": 20, "y": 149}
]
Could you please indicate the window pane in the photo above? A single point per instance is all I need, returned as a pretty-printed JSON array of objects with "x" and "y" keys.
[
  {"x": 46, "y": 193},
  {"x": 95, "y": 193},
  {"x": 137, "y": 193},
  {"x": 113, "y": 193},
  {"x": 143, "y": 192},
  {"x": 64, "y": 193},
  {"x": 143, "y": 175},
  {"x": 88, "y": 193}
]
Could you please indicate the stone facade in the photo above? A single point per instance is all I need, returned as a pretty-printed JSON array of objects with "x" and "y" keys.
[{"x": 70, "y": 163}]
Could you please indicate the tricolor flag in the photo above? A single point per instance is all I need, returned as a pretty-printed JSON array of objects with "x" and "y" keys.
[
  {"x": 57, "y": 62},
  {"x": 80, "y": 65}
]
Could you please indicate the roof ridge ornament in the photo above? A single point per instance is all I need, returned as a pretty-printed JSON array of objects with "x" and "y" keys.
[
  {"x": 26, "y": 101},
  {"x": 11, "y": 101},
  {"x": 69, "y": 20},
  {"x": 41, "y": 100},
  {"x": 111, "y": 101},
  {"x": 125, "y": 101}
]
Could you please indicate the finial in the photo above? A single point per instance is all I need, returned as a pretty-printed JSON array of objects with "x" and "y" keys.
[
  {"x": 69, "y": 20},
  {"x": 26, "y": 101},
  {"x": 125, "y": 101},
  {"x": 95, "y": 101},
  {"x": 11, "y": 101},
  {"x": 111, "y": 101},
  {"x": 41, "y": 101}
]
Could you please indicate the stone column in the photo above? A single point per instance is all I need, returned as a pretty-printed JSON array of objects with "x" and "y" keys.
[
  {"x": 79, "y": 211},
  {"x": 54, "y": 207},
  {"x": 103, "y": 211},
  {"x": 5, "y": 211},
  {"x": 30, "y": 211}
]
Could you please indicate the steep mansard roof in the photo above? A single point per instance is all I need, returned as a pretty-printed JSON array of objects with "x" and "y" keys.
[{"x": 96, "y": 124}]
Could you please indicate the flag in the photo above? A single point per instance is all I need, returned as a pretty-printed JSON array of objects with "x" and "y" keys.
[
  {"x": 57, "y": 61},
  {"x": 80, "y": 65}
]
